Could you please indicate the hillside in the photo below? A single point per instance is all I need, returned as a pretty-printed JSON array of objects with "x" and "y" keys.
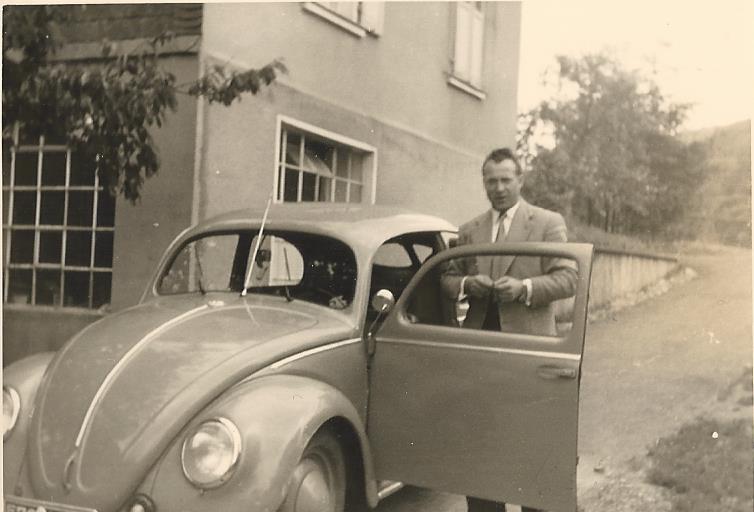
[{"x": 724, "y": 213}]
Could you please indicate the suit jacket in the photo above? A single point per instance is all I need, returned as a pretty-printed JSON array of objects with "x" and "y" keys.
[{"x": 551, "y": 278}]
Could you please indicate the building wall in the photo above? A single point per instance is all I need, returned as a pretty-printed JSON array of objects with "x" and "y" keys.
[
  {"x": 144, "y": 230},
  {"x": 413, "y": 171},
  {"x": 392, "y": 94}
]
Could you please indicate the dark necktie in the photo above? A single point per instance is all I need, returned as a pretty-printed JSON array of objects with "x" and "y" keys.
[{"x": 501, "y": 226}]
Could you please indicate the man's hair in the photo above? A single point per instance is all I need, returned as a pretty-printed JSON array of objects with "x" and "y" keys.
[{"x": 500, "y": 154}]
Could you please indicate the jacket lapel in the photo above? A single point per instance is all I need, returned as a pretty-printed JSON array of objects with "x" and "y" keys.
[{"x": 483, "y": 235}]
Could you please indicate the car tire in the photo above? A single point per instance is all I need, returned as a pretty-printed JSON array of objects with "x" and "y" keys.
[{"x": 319, "y": 480}]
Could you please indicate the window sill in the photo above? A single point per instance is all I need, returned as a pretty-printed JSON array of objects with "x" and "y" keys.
[
  {"x": 334, "y": 18},
  {"x": 11, "y": 306},
  {"x": 467, "y": 88}
]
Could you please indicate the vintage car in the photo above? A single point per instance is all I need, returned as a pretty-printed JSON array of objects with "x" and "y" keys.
[{"x": 268, "y": 367}]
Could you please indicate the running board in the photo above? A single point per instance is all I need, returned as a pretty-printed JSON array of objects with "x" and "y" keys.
[{"x": 388, "y": 488}]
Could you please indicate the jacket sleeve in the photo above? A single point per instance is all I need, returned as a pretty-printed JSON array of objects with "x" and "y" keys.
[
  {"x": 559, "y": 275},
  {"x": 456, "y": 270}
]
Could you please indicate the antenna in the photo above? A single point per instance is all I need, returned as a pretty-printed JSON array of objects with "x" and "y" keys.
[{"x": 256, "y": 248}]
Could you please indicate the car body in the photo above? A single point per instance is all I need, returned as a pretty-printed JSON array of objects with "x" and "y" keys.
[{"x": 253, "y": 375}]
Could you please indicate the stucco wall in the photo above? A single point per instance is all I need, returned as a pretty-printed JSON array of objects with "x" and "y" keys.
[
  {"x": 143, "y": 230},
  {"x": 398, "y": 78},
  {"x": 31, "y": 330},
  {"x": 238, "y": 166}
]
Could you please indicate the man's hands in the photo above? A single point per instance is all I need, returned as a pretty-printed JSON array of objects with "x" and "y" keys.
[
  {"x": 509, "y": 289},
  {"x": 478, "y": 286},
  {"x": 505, "y": 289}
]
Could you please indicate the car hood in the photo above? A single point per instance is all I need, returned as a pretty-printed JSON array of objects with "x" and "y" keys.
[{"x": 120, "y": 391}]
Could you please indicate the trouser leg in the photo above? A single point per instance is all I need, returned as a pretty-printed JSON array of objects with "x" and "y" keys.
[{"x": 480, "y": 505}]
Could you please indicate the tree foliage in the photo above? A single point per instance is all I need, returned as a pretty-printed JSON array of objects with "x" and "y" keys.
[
  {"x": 104, "y": 110},
  {"x": 612, "y": 160}
]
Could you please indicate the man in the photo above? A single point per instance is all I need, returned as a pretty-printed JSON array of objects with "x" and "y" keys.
[{"x": 512, "y": 294}]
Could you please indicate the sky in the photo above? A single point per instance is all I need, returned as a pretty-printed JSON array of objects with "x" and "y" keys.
[{"x": 703, "y": 51}]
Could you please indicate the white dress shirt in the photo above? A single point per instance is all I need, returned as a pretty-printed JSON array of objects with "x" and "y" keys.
[{"x": 507, "y": 219}]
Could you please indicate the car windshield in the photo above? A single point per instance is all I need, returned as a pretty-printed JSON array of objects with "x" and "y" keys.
[{"x": 291, "y": 264}]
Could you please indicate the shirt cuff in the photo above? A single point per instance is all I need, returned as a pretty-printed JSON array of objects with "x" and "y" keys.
[
  {"x": 461, "y": 294},
  {"x": 527, "y": 299}
]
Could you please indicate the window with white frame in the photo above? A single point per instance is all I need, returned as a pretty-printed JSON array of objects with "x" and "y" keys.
[
  {"x": 313, "y": 167},
  {"x": 58, "y": 227},
  {"x": 359, "y": 18},
  {"x": 469, "y": 42}
]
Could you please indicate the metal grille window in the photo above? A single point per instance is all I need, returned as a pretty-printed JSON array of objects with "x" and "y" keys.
[
  {"x": 312, "y": 168},
  {"x": 57, "y": 228}
]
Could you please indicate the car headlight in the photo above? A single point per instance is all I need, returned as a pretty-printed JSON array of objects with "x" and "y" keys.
[
  {"x": 210, "y": 453},
  {"x": 11, "y": 408}
]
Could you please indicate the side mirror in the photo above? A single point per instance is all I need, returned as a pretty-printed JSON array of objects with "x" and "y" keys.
[{"x": 383, "y": 301}]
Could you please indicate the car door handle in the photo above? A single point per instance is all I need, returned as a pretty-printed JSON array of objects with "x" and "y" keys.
[{"x": 556, "y": 372}]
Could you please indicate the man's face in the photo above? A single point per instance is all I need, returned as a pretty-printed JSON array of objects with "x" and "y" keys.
[{"x": 502, "y": 184}]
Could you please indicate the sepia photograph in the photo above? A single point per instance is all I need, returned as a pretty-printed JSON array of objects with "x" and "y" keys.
[{"x": 389, "y": 256}]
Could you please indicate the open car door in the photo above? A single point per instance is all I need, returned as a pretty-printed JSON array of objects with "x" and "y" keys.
[{"x": 485, "y": 413}]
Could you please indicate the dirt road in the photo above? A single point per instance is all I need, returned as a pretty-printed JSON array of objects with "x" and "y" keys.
[{"x": 647, "y": 370}]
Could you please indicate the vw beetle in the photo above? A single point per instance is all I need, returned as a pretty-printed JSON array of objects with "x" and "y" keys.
[{"x": 267, "y": 367}]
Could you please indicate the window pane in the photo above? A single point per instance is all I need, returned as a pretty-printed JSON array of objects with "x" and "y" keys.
[
  {"x": 103, "y": 249},
  {"x": 325, "y": 187},
  {"x": 53, "y": 168},
  {"x": 24, "y": 207},
  {"x": 321, "y": 151},
  {"x": 22, "y": 246},
  {"x": 355, "y": 194},
  {"x": 48, "y": 287},
  {"x": 50, "y": 246},
  {"x": 52, "y": 208},
  {"x": 6, "y": 197},
  {"x": 6, "y": 164},
  {"x": 357, "y": 167},
  {"x": 28, "y": 137},
  {"x": 342, "y": 167},
  {"x": 293, "y": 149},
  {"x": 392, "y": 254},
  {"x": 80, "y": 206},
  {"x": 463, "y": 41},
  {"x": 78, "y": 248},
  {"x": 340, "y": 191},
  {"x": 82, "y": 170},
  {"x": 291, "y": 186},
  {"x": 76, "y": 289},
  {"x": 58, "y": 138},
  {"x": 26, "y": 168},
  {"x": 19, "y": 286},
  {"x": 477, "y": 42},
  {"x": 102, "y": 289},
  {"x": 105, "y": 209},
  {"x": 307, "y": 187}
]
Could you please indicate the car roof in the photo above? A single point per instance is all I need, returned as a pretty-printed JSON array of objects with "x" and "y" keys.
[{"x": 355, "y": 224}]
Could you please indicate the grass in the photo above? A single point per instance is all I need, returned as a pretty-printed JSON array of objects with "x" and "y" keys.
[
  {"x": 707, "y": 465},
  {"x": 578, "y": 232}
]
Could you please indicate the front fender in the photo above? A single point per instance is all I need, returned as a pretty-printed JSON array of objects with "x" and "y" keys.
[
  {"x": 277, "y": 416},
  {"x": 24, "y": 376}
]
